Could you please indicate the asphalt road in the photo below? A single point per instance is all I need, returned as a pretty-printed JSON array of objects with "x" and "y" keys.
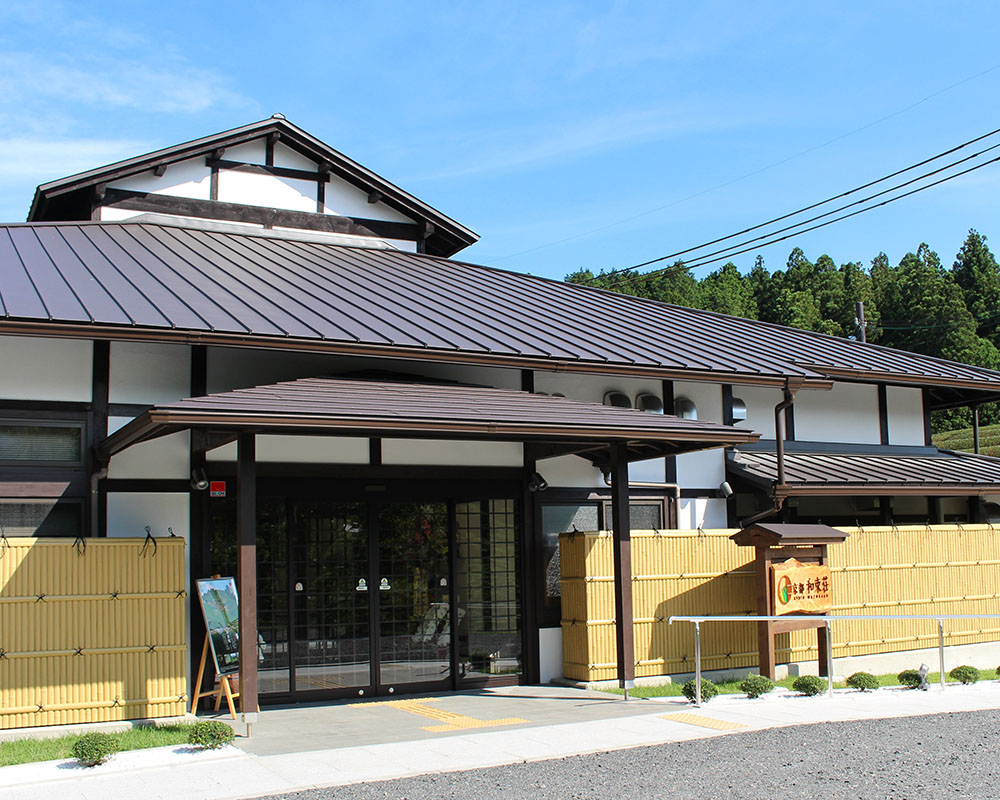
[{"x": 946, "y": 755}]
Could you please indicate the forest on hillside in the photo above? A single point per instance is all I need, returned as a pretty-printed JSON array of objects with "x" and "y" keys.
[{"x": 918, "y": 304}]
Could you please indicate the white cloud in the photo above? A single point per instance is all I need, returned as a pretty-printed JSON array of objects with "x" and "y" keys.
[
  {"x": 511, "y": 149},
  {"x": 40, "y": 160},
  {"x": 108, "y": 82}
]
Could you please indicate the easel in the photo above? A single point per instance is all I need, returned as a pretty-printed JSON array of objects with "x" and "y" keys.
[
  {"x": 225, "y": 686},
  {"x": 773, "y": 543}
]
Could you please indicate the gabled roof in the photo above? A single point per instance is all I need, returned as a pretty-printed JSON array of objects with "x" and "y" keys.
[
  {"x": 900, "y": 470},
  {"x": 432, "y": 411},
  {"x": 180, "y": 283},
  {"x": 61, "y": 199}
]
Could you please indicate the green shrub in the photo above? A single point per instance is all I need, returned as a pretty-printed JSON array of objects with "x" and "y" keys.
[
  {"x": 92, "y": 749},
  {"x": 708, "y": 690},
  {"x": 864, "y": 681},
  {"x": 756, "y": 685},
  {"x": 964, "y": 674},
  {"x": 909, "y": 678},
  {"x": 809, "y": 684},
  {"x": 210, "y": 734}
]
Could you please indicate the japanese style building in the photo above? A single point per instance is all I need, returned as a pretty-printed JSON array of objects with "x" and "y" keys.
[{"x": 255, "y": 343}]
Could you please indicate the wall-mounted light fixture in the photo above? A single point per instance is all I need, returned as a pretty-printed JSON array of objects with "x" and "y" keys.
[
  {"x": 724, "y": 490},
  {"x": 536, "y": 483},
  {"x": 199, "y": 480}
]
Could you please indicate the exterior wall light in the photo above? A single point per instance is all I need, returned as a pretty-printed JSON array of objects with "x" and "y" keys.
[
  {"x": 724, "y": 490},
  {"x": 199, "y": 480},
  {"x": 536, "y": 483}
]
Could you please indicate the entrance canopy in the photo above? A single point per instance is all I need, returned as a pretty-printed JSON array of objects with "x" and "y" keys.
[{"x": 340, "y": 407}]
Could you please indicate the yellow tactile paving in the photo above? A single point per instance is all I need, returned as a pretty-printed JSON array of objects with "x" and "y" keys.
[
  {"x": 704, "y": 722},
  {"x": 453, "y": 721}
]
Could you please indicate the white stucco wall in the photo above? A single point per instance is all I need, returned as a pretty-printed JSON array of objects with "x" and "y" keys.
[
  {"x": 906, "y": 415},
  {"x": 694, "y": 512},
  {"x": 461, "y": 454},
  {"x": 149, "y": 373},
  {"x": 46, "y": 369},
  {"x": 189, "y": 178},
  {"x": 847, "y": 413},
  {"x": 760, "y": 402},
  {"x": 705, "y": 469},
  {"x": 254, "y": 189},
  {"x": 166, "y": 457},
  {"x": 572, "y": 471},
  {"x": 301, "y": 450}
]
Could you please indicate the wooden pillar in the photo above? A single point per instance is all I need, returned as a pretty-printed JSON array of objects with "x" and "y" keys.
[
  {"x": 765, "y": 630},
  {"x": 246, "y": 534},
  {"x": 621, "y": 528}
]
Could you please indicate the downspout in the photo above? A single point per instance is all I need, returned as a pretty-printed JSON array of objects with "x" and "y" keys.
[
  {"x": 779, "y": 452},
  {"x": 95, "y": 505}
]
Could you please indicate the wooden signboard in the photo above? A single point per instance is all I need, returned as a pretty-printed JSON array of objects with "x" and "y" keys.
[
  {"x": 793, "y": 579},
  {"x": 800, "y": 588}
]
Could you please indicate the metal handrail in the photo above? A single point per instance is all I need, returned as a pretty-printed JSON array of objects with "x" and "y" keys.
[{"x": 826, "y": 619}]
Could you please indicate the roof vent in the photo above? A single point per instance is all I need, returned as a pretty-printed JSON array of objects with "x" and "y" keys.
[{"x": 617, "y": 399}]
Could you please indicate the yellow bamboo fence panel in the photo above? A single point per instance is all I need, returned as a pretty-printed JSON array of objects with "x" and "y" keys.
[
  {"x": 940, "y": 569},
  {"x": 91, "y": 633}
]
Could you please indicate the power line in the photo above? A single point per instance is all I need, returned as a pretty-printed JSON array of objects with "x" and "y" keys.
[
  {"x": 704, "y": 262},
  {"x": 801, "y": 153},
  {"x": 703, "y": 258},
  {"x": 821, "y": 203}
]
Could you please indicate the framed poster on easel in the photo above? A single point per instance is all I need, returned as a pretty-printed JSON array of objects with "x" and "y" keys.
[{"x": 220, "y": 607}]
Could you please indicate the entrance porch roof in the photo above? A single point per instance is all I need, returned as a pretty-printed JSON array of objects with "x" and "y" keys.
[{"x": 341, "y": 407}]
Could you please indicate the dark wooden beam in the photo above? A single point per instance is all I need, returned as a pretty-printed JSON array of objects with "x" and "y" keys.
[
  {"x": 928, "y": 431},
  {"x": 99, "y": 405},
  {"x": 527, "y": 380},
  {"x": 975, "y": 430},
  {"x": 375, "y": 451},
  {"x": 269, "y": 169},
  {"x": 260, "y": 215},
  {"x": 621, "y": 530},
  {"x": 727, "y": 404},
  {"x": 670, "y": 462},
  {"x": 246, "y": 537},
  {"x": 883, "y": 414},
  {"x": 160, "y": 170}
]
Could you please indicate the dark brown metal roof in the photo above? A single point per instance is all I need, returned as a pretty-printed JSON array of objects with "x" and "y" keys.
[
  {"x": 926, "y": 471},
  {"x": 778, "y": 533},
  {"x": 171, "y": 282},
  {"x": 61, "y": 199},
  {"x": 435, "y": 411}
]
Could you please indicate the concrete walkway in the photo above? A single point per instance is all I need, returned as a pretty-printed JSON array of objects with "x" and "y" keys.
[{"x": 310, "y": 747}]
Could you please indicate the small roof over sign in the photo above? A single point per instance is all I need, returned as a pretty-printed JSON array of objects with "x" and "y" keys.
[{"x": 762, "y": 534}]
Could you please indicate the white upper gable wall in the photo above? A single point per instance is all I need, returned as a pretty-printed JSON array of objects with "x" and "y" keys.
[
  {"x": 192, "y": 178},
  {"x": 184, "y": 179}
]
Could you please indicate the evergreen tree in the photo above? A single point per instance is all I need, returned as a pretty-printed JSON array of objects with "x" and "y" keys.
[
  {"x": 976, "y": 272},
  {"x": 727, "y": 292}
]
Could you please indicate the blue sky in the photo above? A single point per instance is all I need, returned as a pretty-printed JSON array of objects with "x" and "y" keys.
[{"x": 567, "y": 134}]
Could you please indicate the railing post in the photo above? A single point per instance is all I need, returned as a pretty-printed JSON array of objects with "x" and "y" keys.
[
  {"x": 829, "y": 656},
  {"x": 697, "y": 664},
  {"x": 940, "y": 623}
]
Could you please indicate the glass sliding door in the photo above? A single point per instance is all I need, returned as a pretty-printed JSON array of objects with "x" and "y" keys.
[
  {"x": 414, "y": 595},
  {"x": 330, "y": 596},
  {"x": 487, "y": 566}
]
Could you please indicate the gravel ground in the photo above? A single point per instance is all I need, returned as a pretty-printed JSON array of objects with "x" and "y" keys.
[{"x": 945, "y": 755}]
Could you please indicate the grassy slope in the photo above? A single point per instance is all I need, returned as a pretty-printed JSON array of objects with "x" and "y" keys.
[{"x": 989, "y": 440}]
